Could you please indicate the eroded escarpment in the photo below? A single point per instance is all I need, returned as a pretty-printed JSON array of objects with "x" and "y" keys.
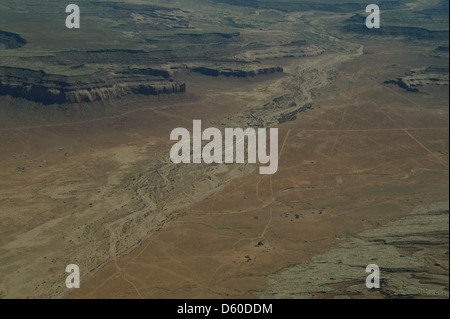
[
  {"x": 9, "y": 40},
  {"x": 97, "y": 75},
  {"x": 418, "y": 78},
  {"x": 41, "y": 87},
  {"x": 237, "y": 73}
]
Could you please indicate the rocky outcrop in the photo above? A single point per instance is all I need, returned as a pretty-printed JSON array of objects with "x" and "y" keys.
[
  {"x": 401, "y": 83},
  {"x": 237, "y": 73},
  {"x": 9, "y": 40},
  {"x": 292, "y": 116},
  {"x": 440, "y": 52},
  {"x": 417, "y": 78},
  {"x": 412, "y": 254},
  {"x": 41, "y": 87}
]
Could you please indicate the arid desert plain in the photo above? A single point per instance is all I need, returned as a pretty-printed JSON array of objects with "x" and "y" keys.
[{"x": 86, "y": 176}]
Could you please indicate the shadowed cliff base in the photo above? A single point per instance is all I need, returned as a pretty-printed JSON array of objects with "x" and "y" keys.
[{"x": 9, "y": 40}]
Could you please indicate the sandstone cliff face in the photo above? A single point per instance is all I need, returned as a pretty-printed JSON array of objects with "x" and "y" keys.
[
  {"x": 41, "y": 87},
  {"x": 113, "y": 91}
]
